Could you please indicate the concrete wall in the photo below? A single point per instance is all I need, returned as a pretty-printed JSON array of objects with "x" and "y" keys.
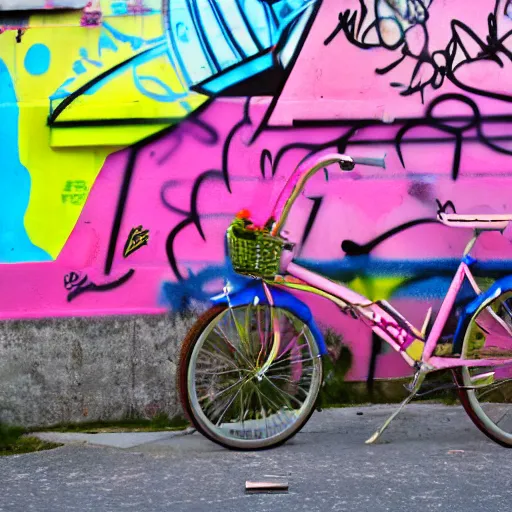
[{"x": 81, "y": 369}]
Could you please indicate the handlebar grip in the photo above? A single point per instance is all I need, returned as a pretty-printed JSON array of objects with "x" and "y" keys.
[{"x": 375, "y": 162}]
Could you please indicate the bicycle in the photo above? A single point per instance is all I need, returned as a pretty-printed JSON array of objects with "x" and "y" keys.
[{"x": 251, "y": 367}]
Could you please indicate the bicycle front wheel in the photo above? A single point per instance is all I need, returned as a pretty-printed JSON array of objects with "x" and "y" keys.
[
  {"x": 486, "y": 392},
  {"x": 242, "y": 386}
]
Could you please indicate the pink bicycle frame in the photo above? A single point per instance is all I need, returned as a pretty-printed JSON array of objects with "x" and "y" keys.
[{"x": 384, "y": 320}]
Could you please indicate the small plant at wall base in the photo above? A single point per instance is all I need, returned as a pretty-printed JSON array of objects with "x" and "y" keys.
[
  {"x": 335, "y": 390},
  {"x": 13, "y": 441},
  {"x": 160, "y": 422}
]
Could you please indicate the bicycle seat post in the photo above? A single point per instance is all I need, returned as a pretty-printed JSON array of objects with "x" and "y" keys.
[{"x": 472, "y": 242}]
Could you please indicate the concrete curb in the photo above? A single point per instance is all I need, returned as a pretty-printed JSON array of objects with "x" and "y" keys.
[{"x": 113, "y": 440}]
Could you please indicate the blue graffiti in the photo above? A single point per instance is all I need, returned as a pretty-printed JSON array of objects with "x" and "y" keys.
[
  {"x": 227, "y": 41},
  {"x": 37, "y": 59},
  {"x": 61, "y": 92},
  {"x": 427, "y": 279},
  {"x": 135, "y": 42},
  {"x": 212, "y": 48},
  {"x": 423, "y": 280},
  {"x": 106, "y": 43},
  {"x": 119, "y": 8},
  {"x": 199, "y": 287},
  {"x": 15, "y": 245},
  {"x": 166, "y": 94},
  {"x": 150, "y": 86}
]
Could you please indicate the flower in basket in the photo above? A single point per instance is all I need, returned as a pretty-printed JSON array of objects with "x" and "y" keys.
[
  {"x": 254, "y": 227},
  {"x": 243, "y": 214}
]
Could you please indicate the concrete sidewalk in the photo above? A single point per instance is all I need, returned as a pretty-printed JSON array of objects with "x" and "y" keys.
[
  {"x": 418, "y": 420},
  {"x": 432, "y": 458}
]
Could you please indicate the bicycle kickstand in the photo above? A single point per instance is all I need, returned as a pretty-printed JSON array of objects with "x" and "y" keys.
[{"x": 419, "y": 377}]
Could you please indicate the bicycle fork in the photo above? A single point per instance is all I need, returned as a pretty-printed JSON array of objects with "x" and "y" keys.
[{"x": 419, "y": 377}]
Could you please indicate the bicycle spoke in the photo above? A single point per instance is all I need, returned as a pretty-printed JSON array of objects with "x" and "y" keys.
[
  {"x": 290, "y": 345},
  {"x": 492, "y": 387},
  {"x": 238, "y": 370},
  {"x": 228, "y": 406},
  {"x": 286, "y": 379},
  {"x": 244, "y": 410},
  {"x": 278, "y": 409},
  {"x": 235, "y": 349},
  {"x": 294, "y": 361},
  {"x": 224, "y": 390},
  {"x": 263, "y": 411},
  {"x": 238, "y": 327},
  {"x": 222, "y": 357},
  {"x": 284, "y": 393}
]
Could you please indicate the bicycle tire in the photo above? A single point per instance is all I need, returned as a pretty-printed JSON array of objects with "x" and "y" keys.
[
  {"x": 470, "y": 410},
  {"x": 489, "y": 413},
  {"x": 197, "y": 335}
]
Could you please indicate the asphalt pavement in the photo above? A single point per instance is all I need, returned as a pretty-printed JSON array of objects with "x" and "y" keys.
[{"x": 431, "y": 458}]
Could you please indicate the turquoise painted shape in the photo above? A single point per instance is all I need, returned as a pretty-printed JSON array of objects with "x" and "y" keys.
[{"x": 15, "y": 245}]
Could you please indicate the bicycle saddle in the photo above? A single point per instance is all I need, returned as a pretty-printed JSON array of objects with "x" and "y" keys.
[{"x": 482, "y": 222}]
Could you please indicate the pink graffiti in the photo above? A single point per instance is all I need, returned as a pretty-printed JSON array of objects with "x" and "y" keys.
[{"x": 185, "y": 185}]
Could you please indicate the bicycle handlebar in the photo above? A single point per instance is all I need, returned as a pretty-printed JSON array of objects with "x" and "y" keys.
[
  {"x": 299, "y": 179},
  {"x": 375, "y": 162}
]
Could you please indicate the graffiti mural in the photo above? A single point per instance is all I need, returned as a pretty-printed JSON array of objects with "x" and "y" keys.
[{"x": 132, "y": 138}]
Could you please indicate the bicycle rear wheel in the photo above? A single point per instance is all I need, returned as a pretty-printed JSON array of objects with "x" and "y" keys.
[
  {"x": 242, "y": 388},
  {"x": 486, "y": 394}
]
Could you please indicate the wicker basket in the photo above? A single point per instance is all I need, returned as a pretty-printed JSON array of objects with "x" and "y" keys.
[{"x": 254, "y": 253}]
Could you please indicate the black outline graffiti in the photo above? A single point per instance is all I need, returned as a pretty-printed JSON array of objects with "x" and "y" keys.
[
  {"x": 449, "y": 125},
  {"x": 269, "y": 163},
  {"x": 317, "y": 204},
  {"x": 457, "y": 132},
  {"x": 265, "y": 163},
  {"x": 84, "y": 88},
  {"x": 245, "y": 121},
  {"x": 192, "y": 217},
  {"x": 127, "y": 179},
  {"x": 351, "y": 27},
  {"x": 287, "y": 71},
  {"x": 442, "y": 208},
  {"x": 444, "y": 62},
  {"x": 84, "y": 285},
  {"x": 352, "y": 248},
  {"x": 72, "y": 281},
  {"x": 121, "y": 202}
]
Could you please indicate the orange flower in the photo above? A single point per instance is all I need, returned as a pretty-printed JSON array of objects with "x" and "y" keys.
[{"x": 243, "y": 214}]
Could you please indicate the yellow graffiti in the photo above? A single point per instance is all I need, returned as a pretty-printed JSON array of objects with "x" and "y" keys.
[
  {"x": 136, "y": 239},
  {"x": 375, "y": 288},
  {"x": 64, "y": 154}
]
